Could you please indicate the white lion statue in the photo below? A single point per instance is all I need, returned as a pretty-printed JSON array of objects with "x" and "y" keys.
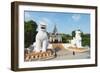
[
  {"x": 77, "y": 40},
  {"x": 41, "y": 40}
]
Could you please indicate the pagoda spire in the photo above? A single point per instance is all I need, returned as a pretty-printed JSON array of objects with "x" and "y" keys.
[{"x": 55, "y": 30}]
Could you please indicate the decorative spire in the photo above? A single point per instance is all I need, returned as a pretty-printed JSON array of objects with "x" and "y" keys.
[{"x": 55, "y": 30}]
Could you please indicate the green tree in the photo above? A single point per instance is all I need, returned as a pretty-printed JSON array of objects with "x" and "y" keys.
[
  {"x": 66, "y": 38},
  {"x": 86, "y": 39},
  {"x": 73, "y": 33},
  {"x": 29, "y": 32},
  {"x": 63, "y": 38}
]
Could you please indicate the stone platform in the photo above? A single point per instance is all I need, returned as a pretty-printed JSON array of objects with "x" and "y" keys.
[
  {"x": 32, "y": 56},
  {"x": 75, "y": 49}
]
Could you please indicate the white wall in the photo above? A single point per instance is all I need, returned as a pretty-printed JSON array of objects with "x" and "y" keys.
[{"x": 5, "y": 40}]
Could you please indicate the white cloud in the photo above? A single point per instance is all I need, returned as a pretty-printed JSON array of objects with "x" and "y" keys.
[{"x": 76, "y": 17}]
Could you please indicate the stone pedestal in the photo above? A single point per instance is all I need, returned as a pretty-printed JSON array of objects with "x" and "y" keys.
[{"x": 33, "y": 56}]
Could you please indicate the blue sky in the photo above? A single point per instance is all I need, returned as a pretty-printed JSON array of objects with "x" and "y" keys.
[{"x": 65, "y": 22}]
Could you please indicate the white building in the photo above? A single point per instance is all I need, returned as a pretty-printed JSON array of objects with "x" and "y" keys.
[{"x": 55, "y": 37}]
